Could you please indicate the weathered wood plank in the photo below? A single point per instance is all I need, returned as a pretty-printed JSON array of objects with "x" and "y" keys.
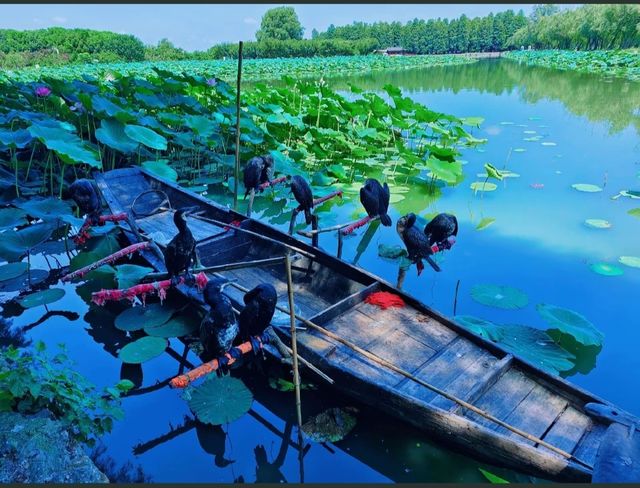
[
  {"x": 161, "y": 224},
  {"x": 588, "y": 445},
  {"x": 475, "y": 381},
  {"x": 503, "y": 397},
  {"x": 449, "y": 364},
  {"x": 359, "y": 328},
  {"x": 567, "y": 430},
  {"x": 401, "y": 349},
  {"x": 535, "y": 414},
  {"x": 343, "y": 305}
]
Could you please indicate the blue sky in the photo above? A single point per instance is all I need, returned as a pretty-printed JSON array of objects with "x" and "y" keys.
[{"x": 194, "y": 26}]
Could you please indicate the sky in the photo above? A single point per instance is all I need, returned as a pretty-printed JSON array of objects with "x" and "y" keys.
[{"x": 198, "y": 27}]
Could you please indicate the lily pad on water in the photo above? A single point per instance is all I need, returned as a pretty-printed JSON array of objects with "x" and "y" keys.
[
  {"x": 51, "y": 209},
  {"x": 128, "y": 275},
  {"x": 219, "y": 401},
  {"x": 479, "y": 326},
  {"x": 548, "y": 143},
  {"x": 586, "y": 187},
  {"x": 142, "y": 350},
  {"x": 606, "y": 269},
  {"x": 12, "y": 270},
  {"x": 632, "y": 261},
  {"x": 519, "y": 150},
  {"x": 572, "y": 323},
  {"x": 634, "y": 212},
  {"x": 176, "y": 327},
  {"x": 332, "y": 425},
  {"x": 137, "y": 318},
  {"x": 22, "y": 281},
  {"x": 505, "y": 297},
  {"x": 482, "y": 186},
  {"x": 16, "y": 244},
  {"x": 598, "y": 223},
  {"x": 484, "y": 223},
  {"x": 12, "y": 217},
  {"x": 43, "y": 297}
]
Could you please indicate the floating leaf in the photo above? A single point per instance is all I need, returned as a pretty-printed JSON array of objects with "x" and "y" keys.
[
  {"x": 12, "y": 217},
  {"x": 634, "y": 212},
  {"x": 598, "y": 223},
  {"x": 391, "y": 252},
  {"x": 548, "y": 143},
  {"x": 606, "y": 269},
  {"x": 496, "y": 480},
  {"x": 43, "y": 297},
  {"x": 632, "y": 261},
  {"x": 332, "y": 425},
  {"x": 481, "y": 327},
  {"x": 146, "y": 136},
  {"x": 505, "y": 297},
  {"x": 12, "y": 270},
  {"x": 179, "y": 326},
  {"x": 219, "y": 401},
  {"x": 21, "y": 282},
  {"x": 492, "y": 171},
  {"x": 161, "y": 169},
  {"x": 16, "y": 244},
  {"x": 482, "y": 186},
  {"x": 137, "y": 318},
  {"x": 142, "y": 350},
  {"x": 519, "y": 150},
  {"x": 572, "y": 323},
  {"x": 128, "y": 275},
  {"x": 586, "y": 187},
  {"x": 484, "y": 223}
]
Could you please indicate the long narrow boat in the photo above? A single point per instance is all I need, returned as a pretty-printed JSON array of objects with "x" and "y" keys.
[{"x": 417, "y": 339}]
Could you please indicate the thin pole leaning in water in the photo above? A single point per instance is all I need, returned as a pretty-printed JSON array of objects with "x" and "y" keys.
[
  {"x": 294, "y": 349},
  {"x": 236, "y": 172}
]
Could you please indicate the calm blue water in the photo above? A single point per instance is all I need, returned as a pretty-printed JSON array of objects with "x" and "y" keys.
[{"x": 538, "y": 243}]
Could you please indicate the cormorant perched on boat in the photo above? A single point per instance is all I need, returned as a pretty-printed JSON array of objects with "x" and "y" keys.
[
  {"x": 219, "y": 327},
  {"x": 375, "y": 200},
  {"x": 258, "y": 170},
  {"x": 260, "y": 305},
  {"x": 442, "y": 230},
  {"x": 416, "y": 242},
  {"x": 302, "y": 192},
  {"x": 180, "y": 253},
  {"x": 84, "y": 194}
]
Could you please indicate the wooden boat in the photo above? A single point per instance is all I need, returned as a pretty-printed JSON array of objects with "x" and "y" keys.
[{"x": 417, "y": 339}]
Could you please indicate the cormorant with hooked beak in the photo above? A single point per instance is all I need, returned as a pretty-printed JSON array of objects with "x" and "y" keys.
[
  {"x": 442, "y": 230},
  {"x": 303, "y": 195},
  {"x": 84, "y": 194},
  {"x": 416, "y": 242},
  {"x": 180, "y": 253},
  {"x": 219, "y": 327},
  {"x": 257, "y": 171},
  {"x": 375, "y": 200},
  {"x": 260, "y": 305}
]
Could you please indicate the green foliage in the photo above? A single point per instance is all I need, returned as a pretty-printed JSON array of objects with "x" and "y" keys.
[
  {"x": 43, "y": 297},
  {"x": 142, "y": 350},
  {"x": 494, "y": 479},
  {"x": 505, "y": 297},
  {"x": 572, "y": 323},
  {"x": 31, "y": 381},
  {"x": 332, "y": 425},
  {"x": 280, "y": 23},
  {"x": 219, "y": 401}
]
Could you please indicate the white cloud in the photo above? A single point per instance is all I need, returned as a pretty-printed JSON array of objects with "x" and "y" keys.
[
  {"x": 251, "y": 21},
  {"x": 59, "y": 20}
]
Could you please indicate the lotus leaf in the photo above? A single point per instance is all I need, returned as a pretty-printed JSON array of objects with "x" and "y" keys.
[
  {"x": 634, "y": 212},
  {"x": 179, "y": 326},
  {"x": 146, "y": 136},
  {"x": 13, "y": 245},
  {"x": 492, "y": 171},
  {"x": 632, "y": 261},
  {"x": 21, "y": 282},
  {"x": 137, "y": 318},
  {"x": 142, "y": 350},
  {"x": 391, "y": 252},
  {"x": 606, "y": 269},
  {"x": 128, "y": 275},
  {"x": 505, "y": 297},
  {"x": 485, "y": 222},
  {"x": 161, "y": 169},
  {"x": 43, "y": 297},
  {"x": 220, "y": 401},
  {"x": 492, "y": 477},
  {"x": 12, "y": 270},
  {"x": 481, "y": 327},
  {"x": 111, "y": 133},
  {"x": 586, "y": 187},
  {"x": 482, "y": 186},
  {"x": 598, "y": 223},
  {"x": 12, "y": 217},
  {"x": 569, "y": 322}
]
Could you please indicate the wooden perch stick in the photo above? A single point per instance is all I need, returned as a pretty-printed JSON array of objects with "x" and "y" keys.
[
  {"x": 223, "y": 267},
  {"x": 109, "y": 259}
]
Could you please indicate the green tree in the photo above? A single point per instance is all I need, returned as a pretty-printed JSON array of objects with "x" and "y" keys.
[{"x": 280, "y": 24}]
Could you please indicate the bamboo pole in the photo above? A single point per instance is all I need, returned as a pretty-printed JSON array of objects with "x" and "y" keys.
[
  {"x": 237, "y": 167},
  {"x": 222, "y": 267},
  {"x": 435, "y": 389},
  {"x": 294, "y": 344}
]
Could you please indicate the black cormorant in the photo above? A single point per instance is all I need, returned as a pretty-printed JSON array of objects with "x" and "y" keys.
[
  {"x": 416, "y": 242},
  {"x": 442, "y": 230},
  {"x": 260, "y": 305},
  {"x": 180, "y": 253},
  {"x": 257, "y": 171},
  {"x": 84, "y": 194},
  {"x": 302, "y": 192},
  {"x": 375, "y": 200},
  {"x": 219, "y": 327}
]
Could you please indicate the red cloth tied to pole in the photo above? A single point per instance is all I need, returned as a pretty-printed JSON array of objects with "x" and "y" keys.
[{"x": 106, "y": 260}]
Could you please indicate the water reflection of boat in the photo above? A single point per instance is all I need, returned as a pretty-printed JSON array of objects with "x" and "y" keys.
[{"x": 516, "y": 415}]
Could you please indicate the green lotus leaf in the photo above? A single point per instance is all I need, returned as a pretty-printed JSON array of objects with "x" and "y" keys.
[
  {"x": 445, "y": 170},
  {"x": 321, "y": 179},
  {"x": 43, "y": 297},
  {"x": 482, "y": 186},
  {"x": 146, "y": 136},
  {"x": 179, "y": 326},
  {"x": 220, "y": 401},
  {"x": 18, "y": 139},
  {"x": 485, "y": 222},
  {"x": 492, "y": 171},
  {"x": 632, "y": 261},
  {"x": 50, "y": 208},
  {"x": 481, "y": 327},
  {"x": 203, "y": 126},
  {"x": 505, "y": 297},
  {"x": 332, "y": 425},
  {"x": 128, "y": 275},
  {"x": 12, "y": 217},
  {"x": 391, "y": 252},
  {"x": 67, "y": 145},
  {"x": 161, "y": 169},
  {"x": 472, "y": 121},
  {"x": 137, "y": 318},
  {"x": 22, "y": 282},
  {"x": 586, "y": 187},
  {"x": 111, "y": 133},
  {"x": 13, "y": 245},
  {"x": 142, "y": 350},
  {"x": 634, "y": 212},
  {"x": 572, "y": 323},
  {"x": 12, "y": 270},
  {"x": 606, "y": 269}
]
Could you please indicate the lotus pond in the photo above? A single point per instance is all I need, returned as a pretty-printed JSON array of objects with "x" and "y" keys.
[{"x": 541, "y": 167}]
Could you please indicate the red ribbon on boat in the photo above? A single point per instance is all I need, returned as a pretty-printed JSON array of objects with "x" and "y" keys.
[
  {"x": 142, "y": 290},
  {"x": 230, "y": 357},
  {"x": 107, "y": 260}
]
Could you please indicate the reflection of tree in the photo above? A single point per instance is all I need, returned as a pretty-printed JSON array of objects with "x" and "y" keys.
[
  {"x": 615, "y": 102},
  {"x": 10, "y": 336}
]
